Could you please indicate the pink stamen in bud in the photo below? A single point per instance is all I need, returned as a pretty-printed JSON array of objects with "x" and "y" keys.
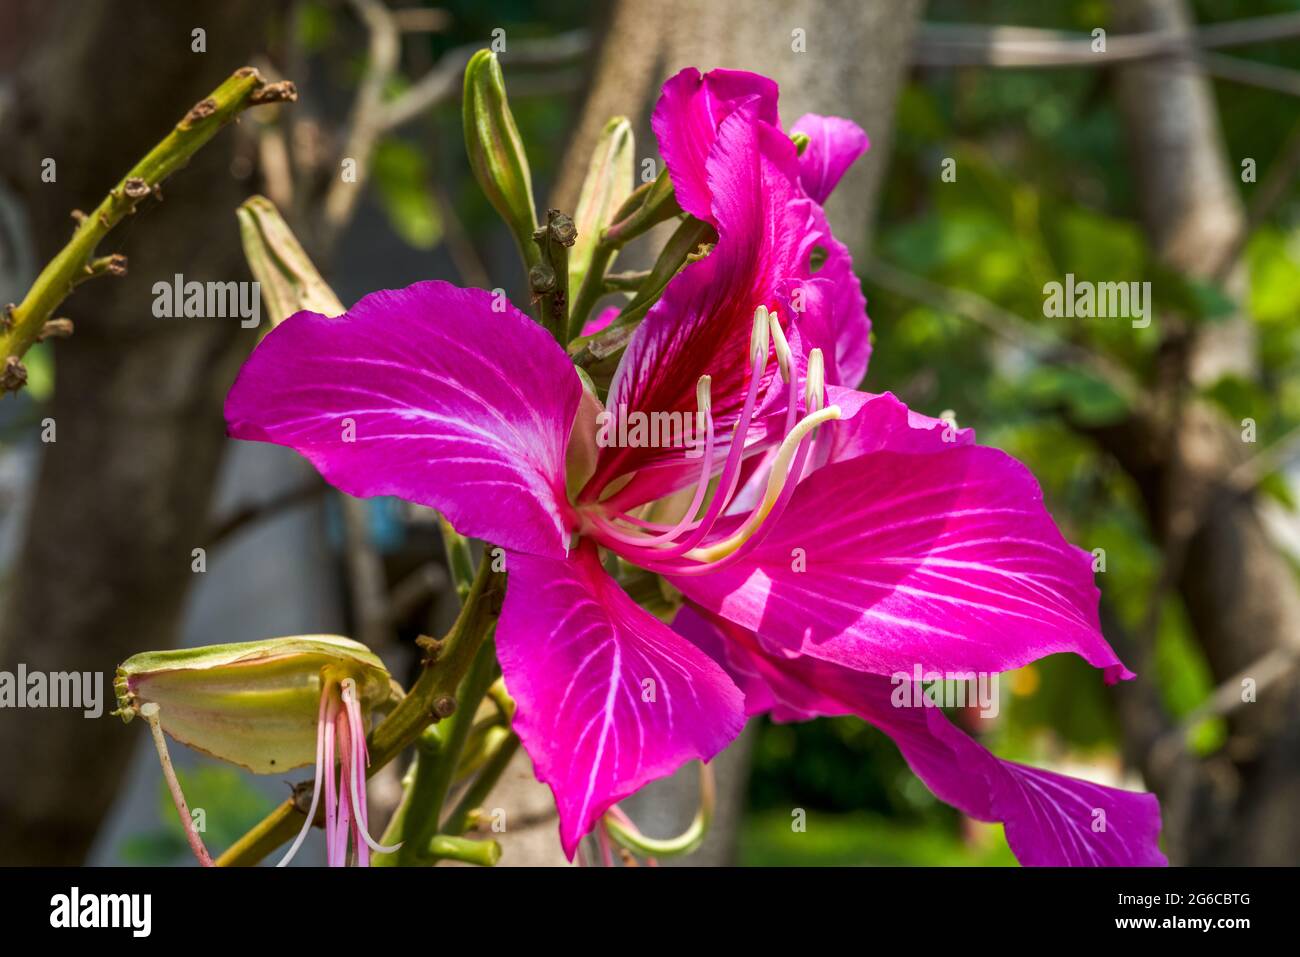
[
  {"x": 340, "y": 727},
  {"x": 686, "y": 556},
  {"x": 361, "y": 759},
  {"x": 705, "y": 414},
  {"x": 316, "y": 786}
]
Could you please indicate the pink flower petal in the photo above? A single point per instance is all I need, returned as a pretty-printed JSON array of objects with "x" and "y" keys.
[
  {"x": 1050, "y": 819},
  {"x": 833, "y": 145},
  {"x": 686, "y": 121},
  {"x": 703, "y": 322},
  {"x": 609, "y": 697},
  {"x": 600, "y": 321},
  {"x": 901, "y": 556},
  {"x": 442, "y": 396}
]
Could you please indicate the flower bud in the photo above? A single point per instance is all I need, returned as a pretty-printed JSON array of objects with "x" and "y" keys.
[
  {"x": 496, "y": 152},
  {"x": 253, "y": 703},
  {"x": 606, "y": 188},
  {"x": 289, "y": 280},
  {"x": 645, "y": 208}
]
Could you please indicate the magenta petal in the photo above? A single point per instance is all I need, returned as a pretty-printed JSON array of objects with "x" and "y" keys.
[
  {"x": 880, "y": 422},
  {"x": 703, "y": 322},
  {"x": 1049, "y": 819},
  {"x": 686, "y": 121},
  {"x": 442, "y": 396},
  {"x": 609, "y": 697},
  {"x": 600, "y": 321},
  {"x": 846, "y": 341},
  {"x": 833, "y": 144},
  {"x": 946, "y": 559}
]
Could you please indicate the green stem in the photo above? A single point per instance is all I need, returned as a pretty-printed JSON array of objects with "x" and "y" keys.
[
  {"x": 592, "y": 288},
  {"x": 549, "y": 279},
  {"x": 435, "y": 771},
  {"x": 459, "y": 560},
  {"x": 76, "y": 261},
  {"x": 430, "y": 694},
  {"x": 424, "y": 765},
  {"x": 459, "y": 819},
  {"x": 446, "y": 847},
  {"x": 648, "y": 206}
]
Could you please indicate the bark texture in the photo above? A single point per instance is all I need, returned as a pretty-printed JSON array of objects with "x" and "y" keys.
[{"x": 122, "y": 496}]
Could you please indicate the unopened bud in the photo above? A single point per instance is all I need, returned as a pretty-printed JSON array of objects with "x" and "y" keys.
[
  {"x": 253, "y": 703},
  {"x": 606, "y": 188},
  {"x": 289, "y": 280},
  {"x": 496, "y": 151}
]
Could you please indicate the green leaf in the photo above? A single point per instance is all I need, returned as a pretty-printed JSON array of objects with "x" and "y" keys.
[{"x": 402, "y": 180}]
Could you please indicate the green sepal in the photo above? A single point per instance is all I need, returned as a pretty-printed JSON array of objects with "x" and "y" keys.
[
  {"x": 289, "y": 279},
  {"x": 254, "y": 703},
  {"x": 604, "y": 191}
]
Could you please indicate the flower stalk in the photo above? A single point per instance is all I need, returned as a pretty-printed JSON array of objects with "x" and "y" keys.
[
  {"x": 150, "y": 714},
  {"x": 648, "y": 206},
  {"x": 437, "y": 767},
  {"x": 21, "y": 325},
  {"x": 549, "y": 279}
]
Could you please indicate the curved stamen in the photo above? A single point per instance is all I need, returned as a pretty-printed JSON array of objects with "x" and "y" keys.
[
  {"x": 777, "y": 480},
  {"x": 730, "y": 477},
  {"x": 784, "y": 475},
  {"x": 320, "y": 773},
  {"x": 761, "y": 533},
  {"x": 705, "y": 412},
  {"x": 361, "y": 759},
  {"x": 331, "y": 784},
  {"x": 782, "y": 479}
]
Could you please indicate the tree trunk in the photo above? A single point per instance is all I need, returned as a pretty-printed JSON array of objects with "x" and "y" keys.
[
  {"x": 122, "y": 495},
  {"x": 853, "y": 64}
]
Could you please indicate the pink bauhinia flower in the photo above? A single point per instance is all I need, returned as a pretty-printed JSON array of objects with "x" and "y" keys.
[{"x": 834, "y": 532}]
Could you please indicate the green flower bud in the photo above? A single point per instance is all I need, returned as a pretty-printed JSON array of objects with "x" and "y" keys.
[
  {"x": 289, "y": 280},
  {"x": 496, "y": 152},
  {"x": 604, "y": 191},
  {"x": 255, "y": 703}
]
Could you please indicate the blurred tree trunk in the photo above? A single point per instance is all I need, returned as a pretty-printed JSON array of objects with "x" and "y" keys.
[
  {"x": 856, "y": 54},
  {"x": 1241, "y": 595},
  {"x": 123, "y": 495},
  {"x": 854, "y": 63}
]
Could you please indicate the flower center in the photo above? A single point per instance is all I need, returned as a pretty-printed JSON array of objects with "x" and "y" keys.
[{"x": 681, "y": 548}]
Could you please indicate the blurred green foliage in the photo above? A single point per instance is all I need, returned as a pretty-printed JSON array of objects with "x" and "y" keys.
[
  {"x": 229, "y": 806},
  {"x": 1043, "y": 188}
]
